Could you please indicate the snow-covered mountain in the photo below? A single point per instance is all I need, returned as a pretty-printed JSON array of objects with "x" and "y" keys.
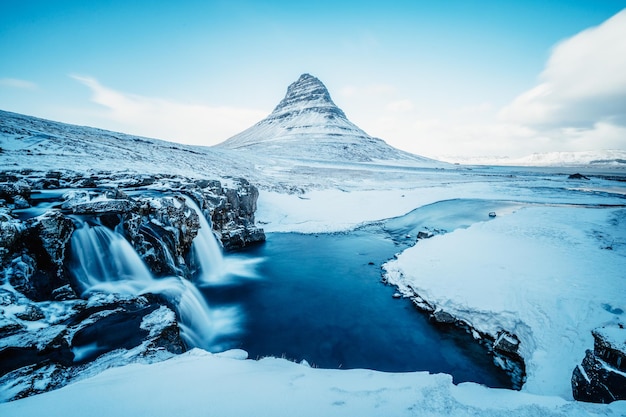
[{"x": 308, "y": 124}]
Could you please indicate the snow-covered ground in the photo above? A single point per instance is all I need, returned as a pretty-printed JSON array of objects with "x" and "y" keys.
[
  {"x": 200, "y": 384},
  {"x": 549, "y": 271}
]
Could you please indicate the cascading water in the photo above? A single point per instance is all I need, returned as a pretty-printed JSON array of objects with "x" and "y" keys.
[
  {"x": 214, "y": 268},
  {"x": 104, "y": 261},
  {"x": 101, "y": 255},
  {"x": 206, "y": 249}
]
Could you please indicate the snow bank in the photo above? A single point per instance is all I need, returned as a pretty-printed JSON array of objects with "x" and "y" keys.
[
  {"x": 200, "y": 384},
  {"x": 335, "y": 210},
  {"x": 543, "y": 273}
]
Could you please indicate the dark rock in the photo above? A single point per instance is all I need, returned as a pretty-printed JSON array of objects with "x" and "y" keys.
[
  {"x": 601, "y": 378},
  {"x": 595, "y": 381},
  {"x": 47, "y": 240},
  {"x": 443, "y": 317},
  {"x": 66, "y": 292},
  {"x": 507, "y": 343},
  {"x": 20, "y": 202},
  {"x": 21, "y": 274},
  {"x": 8, "y": 326},
  {"x": 9, "y": 191},
  {"x": 577, "y": 176},
  {"x": 241, "y": 237},
  {"x": 10, "y": 233},
  {"x": 162, "y": 231},
  {"x": 31, "y": 313},
  {"x": 424, "y": 234},
  {"x": 7, "y": 297},
  {"x": 54, "y": 231},
  {"x": 105, "y": 206}
]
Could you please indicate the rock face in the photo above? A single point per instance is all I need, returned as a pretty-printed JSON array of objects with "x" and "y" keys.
[
  {"x": 601, "y": 378},
  {"x": 308, "y": 124},
  {"x": 51, "y": 330}
]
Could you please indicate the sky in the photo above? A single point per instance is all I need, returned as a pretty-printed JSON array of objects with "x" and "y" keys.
[{"x": 446, "y": 79}]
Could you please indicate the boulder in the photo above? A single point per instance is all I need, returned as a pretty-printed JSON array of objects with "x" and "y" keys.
[
  {"x": 47, "y": 241},
  {"x": 577, "y": 176},
  {"x": 10, "y": 233},
  {"x": 601, "y": 377}
]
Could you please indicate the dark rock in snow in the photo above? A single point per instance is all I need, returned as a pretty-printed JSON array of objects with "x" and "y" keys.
[
  {"x": 47, "y": 240},
  {"x": 601, "y": 378},
  {"x": 10, "y": 233},
  {"x": 31, "y": 313},
  {"x": 577, "y": 176},
  {"x": 443, "y": 317},
  {"x": 424, "y": 234}
]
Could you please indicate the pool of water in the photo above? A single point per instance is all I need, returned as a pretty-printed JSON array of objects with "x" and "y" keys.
[{"x": 320, "y": 298}]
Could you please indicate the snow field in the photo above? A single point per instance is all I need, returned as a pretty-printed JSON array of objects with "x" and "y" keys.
[
  {"x": 198, "y": 383},
  {"x": 542, "y": 273}
]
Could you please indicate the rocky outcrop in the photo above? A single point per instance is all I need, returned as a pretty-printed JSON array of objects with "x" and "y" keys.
[
  {"x": 601, "y": 378},
  {"x": 53, "y": 336},
  {"x": 503, "y": 347},
  {"x": 92, "y": 336}
]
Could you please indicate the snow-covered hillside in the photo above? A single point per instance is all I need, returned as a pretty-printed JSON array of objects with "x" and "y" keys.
[{"x": 308, "y": 124}]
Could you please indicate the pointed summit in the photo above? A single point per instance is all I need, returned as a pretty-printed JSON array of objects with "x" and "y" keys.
[
  {"x": 306, "y": 94},
  {"x": 307, "y": 124}
]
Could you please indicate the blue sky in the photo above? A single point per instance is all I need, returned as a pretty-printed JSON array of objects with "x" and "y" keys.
[{"x": 438, "y": 78}]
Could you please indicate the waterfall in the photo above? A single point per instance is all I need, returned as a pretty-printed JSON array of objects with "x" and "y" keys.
[
  {"x": 207, "y": 250},
  {"x": 101, "y": 255},
  {"x": 103, "y": 261},
  {"x": 214, "y": 268}
]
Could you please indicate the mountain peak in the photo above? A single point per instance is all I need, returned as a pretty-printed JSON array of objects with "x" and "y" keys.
[
  {"x": 307, "y": 93},
  {"x": 307, "y": 124}
]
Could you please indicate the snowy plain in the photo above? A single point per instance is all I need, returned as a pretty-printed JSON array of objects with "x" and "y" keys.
[{"x": 550, "y": 271}]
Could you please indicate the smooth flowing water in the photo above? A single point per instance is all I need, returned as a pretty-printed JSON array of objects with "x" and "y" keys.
[
  {"x": 320, "y": 298},
  {"x": 104, "y": 261}
]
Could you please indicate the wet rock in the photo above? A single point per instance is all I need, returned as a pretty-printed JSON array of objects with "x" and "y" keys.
[
  {"x": 19, "y": 189},
  {"x": 66, "y": 292},
  {"x": 7, "y": 297},
  {"x": 106, "y": 206},
  {"x": 162, "y": 231},
  {"x": 601, "y": 377},
  {"x": 111, "y": 330},
  {"x": 31, "y": 313},
  {"x": 8, "y": 326},
  {"x": 20, "y": 275},
  {"x": 20, "y": 202},
  {"x": 442, "y": 317},
  {"x": 424, "y": 234},
  {"x": 507, "y": 343},
  {"x": 241, "y": 237},
  {"x": 47, "y": 240},
  {"x": 10, "y": 233},
  {"x": 54, "y": 231}
]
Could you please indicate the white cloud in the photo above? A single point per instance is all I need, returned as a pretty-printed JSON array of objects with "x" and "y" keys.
[
  {"x": 373, "y": 91},
  {"x": 583, "y": 83},
  {"x": 400, "y": 106},
  {"x": 17, "y": 83},
  {"x": 165, "y": 119}
]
